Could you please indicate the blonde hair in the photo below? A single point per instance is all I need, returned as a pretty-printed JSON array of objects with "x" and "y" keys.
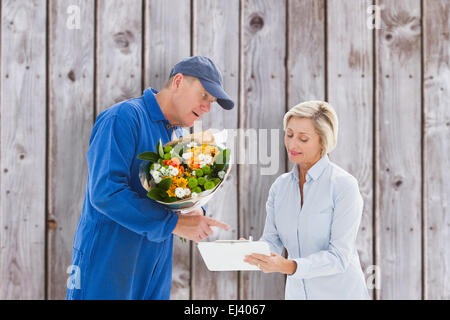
[{"x": 324, "y": 119}]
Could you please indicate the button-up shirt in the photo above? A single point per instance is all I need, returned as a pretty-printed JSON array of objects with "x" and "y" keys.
[
  {"x": 123, "y": 242},
  {"x": 319, "y": 236}
]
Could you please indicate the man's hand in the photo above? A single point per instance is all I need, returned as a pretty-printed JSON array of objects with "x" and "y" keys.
[{"x": 196, "y": 227}]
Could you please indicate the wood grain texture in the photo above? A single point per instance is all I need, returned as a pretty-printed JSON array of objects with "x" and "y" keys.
[
  {"x": 167, "y": 41},
  {"x": 350, "y": 92},
  {"x": 167, "y": 38},
  {"x": 306, "y": 51},
  {"x": 119, "y": 51},
  {"x": 23, "y": 150},
  {"x": 272, "y": 57},
  {"x": 71, "y": 108},
  {"x": 437, "y": 148},
  {"x": 216, "y": 35},
  {"x": 398, "y": 95},
  {"x": 263, "y": 95}
]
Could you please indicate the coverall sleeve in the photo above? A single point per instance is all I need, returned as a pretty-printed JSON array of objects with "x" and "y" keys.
[{"x": 110, "y": 156}]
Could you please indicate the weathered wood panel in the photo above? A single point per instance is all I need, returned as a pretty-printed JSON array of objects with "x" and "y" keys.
[
  {"x": 23, "y": 149},
  {"x": 263, "y": 95},
  {"x": 167, "y": 38},
  {"x": 254, "y": 39},
  {"x": 306, "y": 51},
  {"x": 71, "y": 108},
  {"x": 437, "y": 148},
  {"x": 398, "y": 94},
  {"x": 119, "y": 53},
  {"x": 350, "y": 92},
  {"x": 167, "y": 41},
  {"x": 218, "y": 39}
]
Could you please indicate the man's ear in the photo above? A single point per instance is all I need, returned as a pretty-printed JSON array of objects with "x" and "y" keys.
[{"x": 177, "y": 79}]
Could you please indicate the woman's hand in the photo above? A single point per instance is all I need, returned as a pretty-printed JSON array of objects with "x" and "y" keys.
[{"x": 272, "y": 263}]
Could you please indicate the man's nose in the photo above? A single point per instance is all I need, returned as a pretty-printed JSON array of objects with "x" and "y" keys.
[{"x": 206, "y": 107}]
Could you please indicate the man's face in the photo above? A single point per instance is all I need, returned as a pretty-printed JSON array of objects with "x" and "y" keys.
[{"x": 190, "y": 100}]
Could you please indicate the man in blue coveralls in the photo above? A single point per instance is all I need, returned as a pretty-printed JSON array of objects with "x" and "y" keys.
[{"x": 123, "y": 247}]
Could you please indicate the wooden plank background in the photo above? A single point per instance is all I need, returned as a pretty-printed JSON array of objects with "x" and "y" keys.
[
  {"x": 71, "y": 69},
  {"x": 389, "y": 85}
]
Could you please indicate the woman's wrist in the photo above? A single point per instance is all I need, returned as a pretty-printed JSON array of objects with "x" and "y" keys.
[{"x": 290, "y": 267}]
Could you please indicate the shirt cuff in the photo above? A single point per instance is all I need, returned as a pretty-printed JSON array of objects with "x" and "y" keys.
[
  {"x": 303, "y": 266},
  {"x": 204, "y": 210}
]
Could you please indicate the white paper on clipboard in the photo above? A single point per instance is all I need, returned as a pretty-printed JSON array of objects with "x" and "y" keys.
[{"x": 228, "y": 255}]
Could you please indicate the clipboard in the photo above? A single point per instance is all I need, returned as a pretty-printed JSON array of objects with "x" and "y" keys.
[{"x": 228, "y": 255}]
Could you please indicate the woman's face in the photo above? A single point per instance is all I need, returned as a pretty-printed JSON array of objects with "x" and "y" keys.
[{"x": 302, "y": 142}]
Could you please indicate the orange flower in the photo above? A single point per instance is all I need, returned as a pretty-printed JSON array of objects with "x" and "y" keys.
[
  {"x": 177, "y": 182},
  {"x": 206, "y": 149}
]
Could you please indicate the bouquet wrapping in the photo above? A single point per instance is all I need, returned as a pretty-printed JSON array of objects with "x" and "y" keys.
[{"x": 184, "y": 174}]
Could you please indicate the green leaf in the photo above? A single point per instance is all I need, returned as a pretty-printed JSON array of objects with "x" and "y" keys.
[
  {"x": 226, "y": 155},
  {"x": 165, "y": 184},
  {"x": 171, "y": 199},
  {"x": 148, "y": 156},
  {"x": 218, "y": 167},
  {"x": 160, "y": 149},
  {"x": 147, "y": 171},
  {"x": 223, "y": 157},
  {"x": 155, "y": 194}
]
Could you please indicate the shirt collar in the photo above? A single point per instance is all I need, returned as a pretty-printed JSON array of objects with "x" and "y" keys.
[
  {"x": 153, "y": 107},
  {"x": 315, "y": 171}
]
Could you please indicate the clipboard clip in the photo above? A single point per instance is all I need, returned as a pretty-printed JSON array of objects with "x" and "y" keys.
[{"x": 250, "y": 238}]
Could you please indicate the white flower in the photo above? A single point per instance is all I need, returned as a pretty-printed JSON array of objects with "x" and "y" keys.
[
  {"x": 154, "y": 173},
  {"x": 194, "y": 194},
  {"x": 166, "y": 172},
  {"x": 221, "y": 174},
  {"x": 156, "y": 166},
  {"x": 157, "y": 179},
  {"x": 187, "y": 155},
  {"x": 193, "y": 173},
  {"x": 173, "y": 171},
  {"x": 187, "y": 192},
  {"x": 208, "y": 159},
  {"x": 179, "y": 192},
  {"x": 204, "y": 159}
]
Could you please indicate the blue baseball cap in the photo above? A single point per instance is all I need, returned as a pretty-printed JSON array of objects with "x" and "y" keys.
[{"x": 209, "y": 75}]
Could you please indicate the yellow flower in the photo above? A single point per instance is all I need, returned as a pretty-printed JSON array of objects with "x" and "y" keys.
[
  {"x": 177, "y": 182},
  {"x": 205, "y": 149}
]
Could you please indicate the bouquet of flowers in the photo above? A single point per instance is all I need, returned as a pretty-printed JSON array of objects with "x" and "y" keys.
[{"x": 184, "y": 174}]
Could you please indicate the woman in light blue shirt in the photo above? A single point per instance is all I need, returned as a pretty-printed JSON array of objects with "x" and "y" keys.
[{"x": 314, "y": 211}]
